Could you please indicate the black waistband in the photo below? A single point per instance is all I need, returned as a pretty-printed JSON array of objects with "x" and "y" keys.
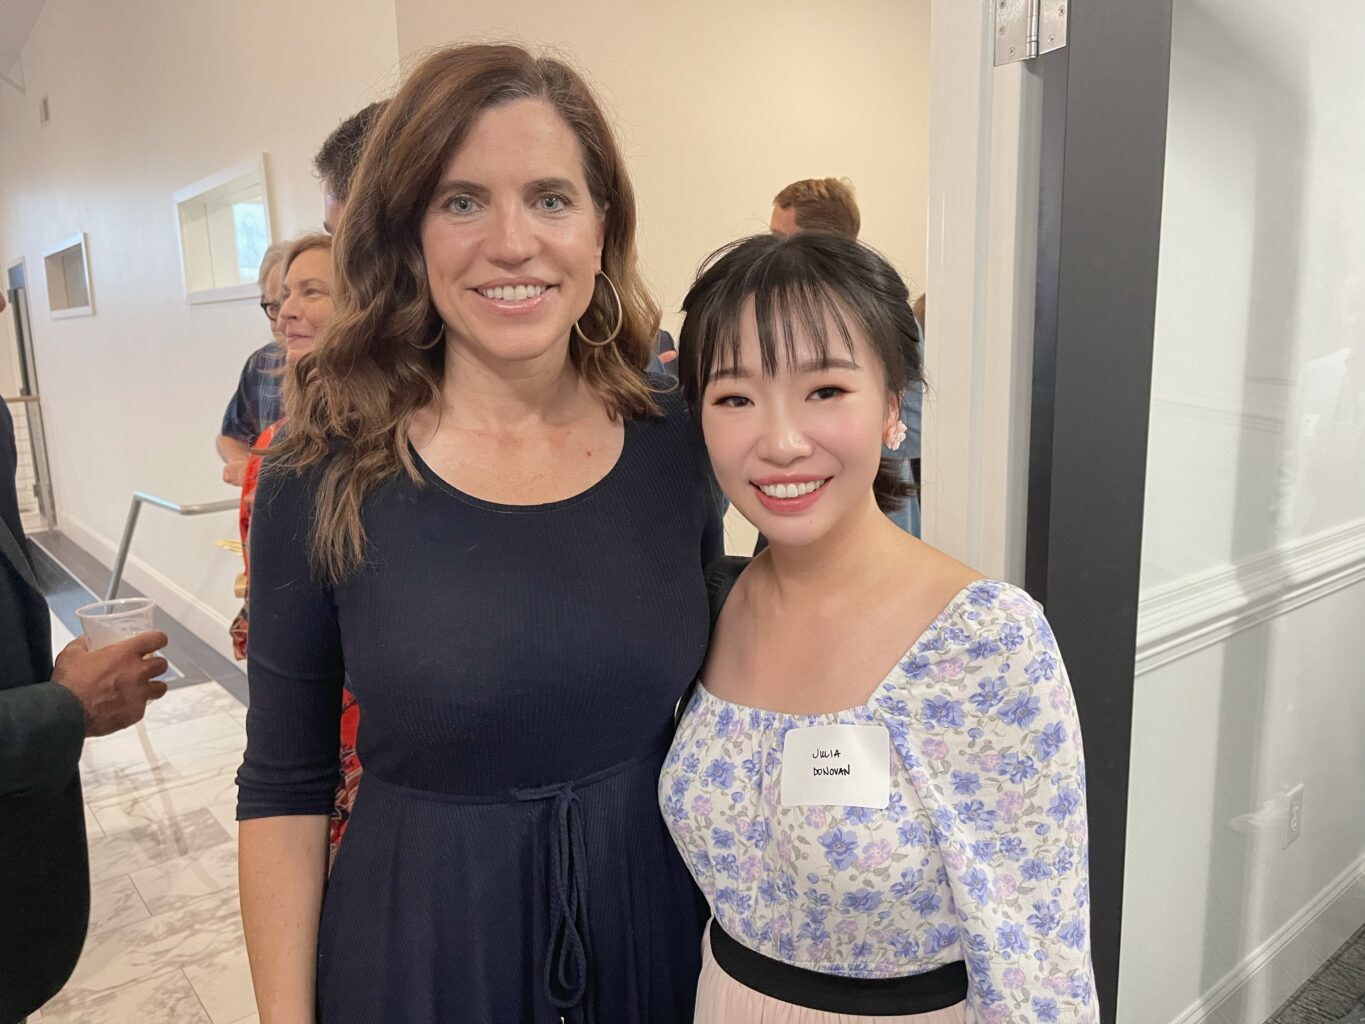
[{"x": 873, "y": 997}]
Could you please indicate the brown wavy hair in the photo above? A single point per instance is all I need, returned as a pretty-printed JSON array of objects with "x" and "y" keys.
[{"x": 376, "y": 366}]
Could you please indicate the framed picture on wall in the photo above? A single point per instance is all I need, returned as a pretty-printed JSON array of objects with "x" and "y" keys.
[
  {"x": 224, "y": 228},
  {"x": 68, "y": 278}
]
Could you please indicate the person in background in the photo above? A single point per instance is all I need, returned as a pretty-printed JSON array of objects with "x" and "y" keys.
[
  {"x": 827, "y": 204},
  {"x": 46, "y": 713},
  {"x": 913, "y": 429},
  {"x": 305, "y": 311},
  {"x": 338, "y": 158},
  {"x": 816, "y": 204},
  {"x": 878, "y": 781},
  {"x": 665, "y": 355},
  {"x": 256, "y": 402},
  {"x": 304, "y": 335}
]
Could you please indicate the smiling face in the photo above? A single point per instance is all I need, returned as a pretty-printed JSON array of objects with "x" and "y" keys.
[
  {"x": 306, "y": 301},
  {"x": 512, "y": 239},
  {"x": 797, "y": 452}
]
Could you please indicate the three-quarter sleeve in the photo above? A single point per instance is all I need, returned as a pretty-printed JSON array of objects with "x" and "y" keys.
[
  {"x": 295, "y": 667},
  {"x": 1011, "y": 820}
]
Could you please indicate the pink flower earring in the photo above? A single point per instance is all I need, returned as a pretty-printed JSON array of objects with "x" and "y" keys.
[{"x": 895, "y": 436}]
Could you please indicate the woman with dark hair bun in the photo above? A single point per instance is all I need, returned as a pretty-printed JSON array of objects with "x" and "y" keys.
[
  {"x": 480, "y": 511},
  {"x": 878, "y": 780}
]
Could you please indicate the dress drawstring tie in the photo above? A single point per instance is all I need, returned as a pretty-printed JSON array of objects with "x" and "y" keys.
[{"x": 568, "y": 958}]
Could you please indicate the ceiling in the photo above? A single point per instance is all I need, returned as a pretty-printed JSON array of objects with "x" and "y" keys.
[{"x": 17, "y": 18}]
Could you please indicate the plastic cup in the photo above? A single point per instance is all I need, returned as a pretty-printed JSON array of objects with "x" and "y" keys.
[{"x": 108, "y": 622}]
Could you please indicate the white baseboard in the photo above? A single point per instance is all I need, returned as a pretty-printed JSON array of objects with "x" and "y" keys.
[
  {"x": 208, "y": 624},
  {"x": 1253, "y": 990}
]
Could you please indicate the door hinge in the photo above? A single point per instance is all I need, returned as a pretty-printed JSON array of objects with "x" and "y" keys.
[{"x": 1027, "y": 28}]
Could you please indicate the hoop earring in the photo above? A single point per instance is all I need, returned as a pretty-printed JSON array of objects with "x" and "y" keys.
[
  {"x": 620, "y": 318},
  {"x": 440, "y": 334}
]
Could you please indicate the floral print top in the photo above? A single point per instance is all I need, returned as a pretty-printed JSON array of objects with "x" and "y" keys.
[{"x": 980, "y": 854}]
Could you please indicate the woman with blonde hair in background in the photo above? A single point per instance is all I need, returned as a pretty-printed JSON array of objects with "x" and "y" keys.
[
  {"x": 464, "y": 517},
  {"x": 305, "y": 308},
  {"x": 307, "y": 292}
]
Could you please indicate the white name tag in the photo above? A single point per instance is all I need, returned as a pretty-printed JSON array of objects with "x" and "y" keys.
[{"x": 844, "y": 765}]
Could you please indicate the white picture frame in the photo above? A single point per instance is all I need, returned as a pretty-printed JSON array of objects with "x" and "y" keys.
[
  {"x": 223, "y": 227},
  {"x": 66, "y": 268}
]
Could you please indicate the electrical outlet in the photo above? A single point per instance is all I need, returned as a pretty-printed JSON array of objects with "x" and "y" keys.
[{"x": 1295, "y": 814}]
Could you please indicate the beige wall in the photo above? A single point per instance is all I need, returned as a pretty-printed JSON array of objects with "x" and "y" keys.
[
  {"x": 147, "y": 97},
  {"x": 720, "y": 104}
]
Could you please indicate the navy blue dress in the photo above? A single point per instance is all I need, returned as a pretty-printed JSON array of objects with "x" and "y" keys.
[{"x": 516, "y": 669}]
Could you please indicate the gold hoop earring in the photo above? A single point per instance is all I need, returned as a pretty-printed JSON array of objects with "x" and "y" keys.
[
  {"x": 620, "y": 318},
  {"x": 440, "y": 333}
]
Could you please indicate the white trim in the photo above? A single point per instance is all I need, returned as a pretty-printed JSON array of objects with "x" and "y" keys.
[
  {"x": 67, "y": 243},
  {"x": 199, "y": 618},
  {"x": 63, "y": 314},
  {"x": 1274, "y": 969},
  {"x": 1199, "y": 611},
  {"x": 231, "y": 293},
  {"x": 220, "y": 178},
  {"x": 984, "y": 144}
]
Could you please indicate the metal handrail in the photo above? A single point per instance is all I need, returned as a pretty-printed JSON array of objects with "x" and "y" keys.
[{"x": 141, "y": 498}]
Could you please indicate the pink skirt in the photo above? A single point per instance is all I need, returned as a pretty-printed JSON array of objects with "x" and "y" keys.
[{"x": 722, "y": 1000}]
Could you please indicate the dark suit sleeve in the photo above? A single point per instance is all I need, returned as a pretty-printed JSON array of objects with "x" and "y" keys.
[
  {"x": 42, "y": 726},
  {"x": 42, "y": 730}
]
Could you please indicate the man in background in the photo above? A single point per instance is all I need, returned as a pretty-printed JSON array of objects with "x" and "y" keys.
[
  {"x": 339, "y": 157},
  {"x": 827, "y": 204},
  {"x": 46, "y": 713},
  {"x": 817, "y": 204},
  {"x": 256, "y": 403}
]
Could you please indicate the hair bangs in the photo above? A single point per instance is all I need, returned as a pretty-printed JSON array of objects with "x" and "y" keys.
[
  {"x": 793, "y": 320},
  {"x": 797, "y": 315}
]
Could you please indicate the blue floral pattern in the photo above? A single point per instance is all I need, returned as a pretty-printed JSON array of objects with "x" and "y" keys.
[{"x": 980, "y": 855}]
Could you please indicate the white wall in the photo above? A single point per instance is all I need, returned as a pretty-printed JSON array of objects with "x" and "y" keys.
[
  {"x": 720, "y": 104},
  {"x": 1254, "y": 549},
  {"x": 147, "y": 97}
]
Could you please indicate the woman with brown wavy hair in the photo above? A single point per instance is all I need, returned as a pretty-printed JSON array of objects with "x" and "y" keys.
[{"x": 465, "y": 516}]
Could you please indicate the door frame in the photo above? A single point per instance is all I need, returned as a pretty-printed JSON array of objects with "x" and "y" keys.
[
  {"x": 28, "y": 374},
  {"x": 1045, "y": 184}
]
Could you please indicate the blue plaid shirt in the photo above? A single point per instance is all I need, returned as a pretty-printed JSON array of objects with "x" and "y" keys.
[{"x": 256, "y": 403}]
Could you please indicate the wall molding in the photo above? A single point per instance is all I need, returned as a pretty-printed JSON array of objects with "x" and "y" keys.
[
  {"x": 1273, "y": 970},
  {"x": 1188, "y": 615},
  {"x": 200, "y": 618},
  {"x": 1267, "y": 417}
]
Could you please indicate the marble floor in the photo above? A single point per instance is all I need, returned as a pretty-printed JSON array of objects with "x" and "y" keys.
[{"x": 165, "y": 942}]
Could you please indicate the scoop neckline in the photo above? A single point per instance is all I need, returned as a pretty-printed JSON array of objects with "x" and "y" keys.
[
  {"x": 935, "y": 626},
  {"x": 440, "y": 483}
]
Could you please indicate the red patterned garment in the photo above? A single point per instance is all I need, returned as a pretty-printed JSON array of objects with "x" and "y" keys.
[{"x": 349, "y": 768}]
